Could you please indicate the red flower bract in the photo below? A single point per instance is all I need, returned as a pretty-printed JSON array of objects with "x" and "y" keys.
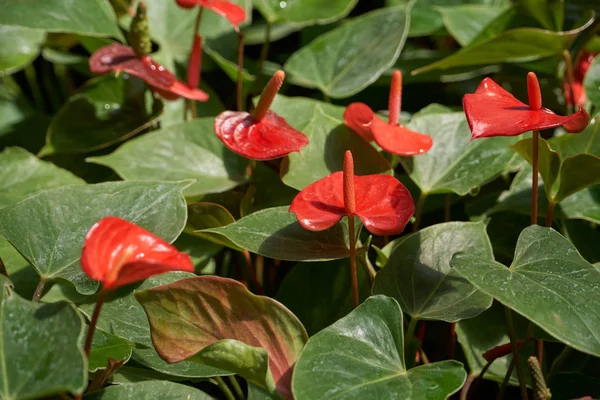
[
  {"x": 233, "y": 12},
  {"x": 262, "y": 135},
  {"x": 117, "y": 252},
  {"x": 584, "y": 60},
  {"x": 117, "y": 57},
  {"x": 492, "y": 111},
  {"x": 391, "y": 136},
  {"x": 382, "y": 203}
]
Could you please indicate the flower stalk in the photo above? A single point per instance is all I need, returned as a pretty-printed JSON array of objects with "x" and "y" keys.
[{"x": 350, "y": 208}]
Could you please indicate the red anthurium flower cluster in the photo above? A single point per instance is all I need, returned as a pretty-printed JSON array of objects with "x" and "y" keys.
[
  {"x": 391, "y": 136},
  {"x": 492, "y": 111},
  {"x": 584, "y": 60},
  {"x": 382, "y": 203},
  {"x": 233, "y": 12},
  {"x": 262, "y": 135},
  {"x": 117, "y": 57},
  {"x": 117, "y": 252}
]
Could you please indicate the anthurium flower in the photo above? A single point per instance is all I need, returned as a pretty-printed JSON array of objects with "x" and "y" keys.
[
  {"x": 492, "y": 111},
  {"x": 584, "y": 60},
  {"x": 382, "y": 203},
  {"x": 233, "y": 12},
  {"x": 117, "y": 57},
  {"x": 390, "y": 136},
  {"x": 195, "y": 63},
  {"x": 262, "y": 135},
  {"x": 117, "y": 252}
]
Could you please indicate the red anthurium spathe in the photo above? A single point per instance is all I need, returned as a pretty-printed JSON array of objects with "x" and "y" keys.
[
  {"x": 391, "y": 136},
  {"x": 584, "y": 60},
  {"x": 382, "y": 203},
  {"x": 492, "y": 111},
  {"x": 117, "y": 57},
  {"x": 262, "y": 135},
  {"x": 233, "y": 12},
  {"x": 117, "y": 252},
  {"x": 195, "y": 63}
]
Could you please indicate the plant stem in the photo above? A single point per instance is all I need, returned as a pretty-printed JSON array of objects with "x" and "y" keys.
[
  {"x": 410, "y": 333},
  {"x": 259, "y": 266},
  {"x": 264, "y": 52},
  {"x": 474, "y": 383},
  {"x": 240, "y": 69},
  {"x": 93, "y": 322},
  {"x": 452, "y": 340},
  {"x": 252, "y": 272},
  {"x": 534, "y": 179},
  {"x": 506, "y": 379},
  {"x": 549, "y": 213},
  {"x": 353, "y": 271},
  {"x": 236, "y": 386},
  {"x": 464, "y": 393},
  {"x": 570, "y": 79},
  {"x": 418, "y": 211},
  {"x": 34, "y": 86},
  {"x": 224, "y": 388},
  {"x": 369, "y": 271},
  {"x": 39, "y": 290},
  {"x": 515, "y": 350},
  {"x": 192, "y": 103}
]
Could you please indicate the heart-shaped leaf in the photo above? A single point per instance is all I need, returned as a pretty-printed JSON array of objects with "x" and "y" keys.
[
  {"x": 319, "y": 293},
  {"x": 275, "y": 233},
  {"x": 108, "y": 111},
  {"x": 466, "y": 21},
  {"x": 328, "y": 138},
  {"x": 24, "y": 175},
  {"x": 149, "y": 390},
  {"x": 189, "y": 150},
  {"x": 230, "y": 335},
  {"x": 106, "y": 346},
  {"x": 344, "y": 61},
  {"x": 572, "y": 179},
  {"x": 311, "y": 12},
  {"x": 550, "y": 14},
  {"x": 209, "y": 215},
  {"x": 548, "y": 160},
  {"x": 435, "y": 291},
  {"x": 92, "y": 18},
  {"x": 548, "y": 282},
  {"x": 31, "y": 368},
  {"x": 19, "y": 46},
  {"x": 49, "y": 228},
  {"x": 362, "y": 356},
  {"x": 591, "y": 82},
  {"x": 454, "y": 164}
]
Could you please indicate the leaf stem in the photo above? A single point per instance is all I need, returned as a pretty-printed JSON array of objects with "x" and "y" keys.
[
  {"x": 34, "y": 86},
  {"x": 192, "y": 103},
  {"x": 418, "y": 211},
  {"x": 467, "y": 392},
  {"x": 39, "y": 290},
  {"x": 236, "y": 387},
  {"x": 240, "y": 69},
  {"x": 264, "y": 52},
  {"x": 353, "y": 271},
  {"x": 224, "y": 388},
  {"x": 93, "y": 322},
  {"x": 504, "y": 385},
  {"x": 534, "y": 178},
  {"x": 410, "y": 333},
  {"x": 452, "y": 340},
  {"x": 252, "y": 272},
  {"x": 549, "y": 213},
  {"x": 515, "y": 350},
  {"x": 369, "y": 270},
  {"x": 570, "y": 79}
]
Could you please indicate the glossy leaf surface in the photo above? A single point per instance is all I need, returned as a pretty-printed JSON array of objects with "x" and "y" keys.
[
  {"x": 271, "y": 137},
  {"x": 188, "y": 150},
  {"x": 275, "y": 233},
  {"x": 338, "y": 69},
  {"x": 466, "y": 21},
  {"x": 418, "y": 273},
  {"x": 591, "y": 82},
  {"x": 454, "y": 164},
  {"x": 149, "y": 390},
  {"x": 31, "y": 368},
  {"x": 234, "y": 319},
  {"x": 204, "y": 215},
  {"x": 383, "y": 204},
  {"x": 106, "y": 346},
  {"x": 19, "y": 46},
  {"x": 117, "y": 252},
  {"x": 49, "y": 229},
  {"x": 548, "y": 282},
  {"x": 307, "y": 12},
  {"x": 362, "y": 356}
]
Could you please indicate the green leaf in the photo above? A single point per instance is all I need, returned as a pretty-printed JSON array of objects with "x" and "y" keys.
[
  {"x": 189, "y": 150},
  {"x": 91, "y": 18},
  {"x": 105, "y": 346},
  {"x": 305, "y": 12},
  {"x": 149, "y": 390},
  {"x": 18, "y": 47},
  {"x": 48, "y": 229},
  {"x": 591, "y": 82},
  {"x": 173, "y": 109},
  {"x": 108, "y": 111},
  {"x": 270, "y": 190},
  {"x": 319, "y": 293},
  {"x": 454, "y": 163},
  {"x": 329, "y": 139},
  {"x": 276, "y": 233},
  {"x": 513, "y": 46},
  {"x": 418, "y": 273},
  {"x": 30, "y": 367},
  {"x": 243, "y": 333},
  {"x": 572, "y": 179},
  {"x": 201, "y": 252},
  {"x": 362, "y": 356},
  {"x": 585, "y": 142},
  {"x": 548, "y": 282},
  {"x": 548, "y": 161},
  {"x": 209, "y": 215},
  {"x": 550, "y": 13},
  {"x": 24, "y": 175},
  {"x": 24, "y": 277},
  {"x": 466, "y": 21},
  {"x": 344, "y": 61}
]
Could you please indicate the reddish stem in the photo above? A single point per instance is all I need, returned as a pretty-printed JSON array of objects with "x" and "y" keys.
[
  {"x": 252, "y": 272},
  {"x": 534, "y": 178},
  {"x": 239, "y": 87},
  {"x": 452, "y": 341},
  {"x": 350, "y": 207},
  {"x": 268, "y": 95},
  {"x": 549, "y": 213},
  {"x": 395, "y": 99},
  {"x": 93, "y": 322}
]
